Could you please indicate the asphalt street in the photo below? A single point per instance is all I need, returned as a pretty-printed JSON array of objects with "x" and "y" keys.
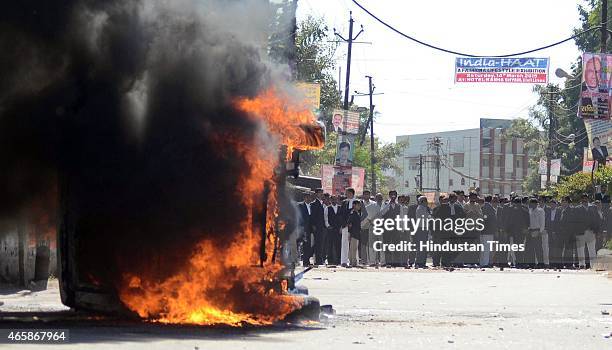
[{"x": 390, "y": 309}]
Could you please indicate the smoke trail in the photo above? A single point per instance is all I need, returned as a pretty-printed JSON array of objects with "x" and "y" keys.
[{"x": 123, "y": 104}]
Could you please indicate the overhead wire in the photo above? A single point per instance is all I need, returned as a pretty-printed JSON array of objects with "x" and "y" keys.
[{"x": 469, "y": 54}]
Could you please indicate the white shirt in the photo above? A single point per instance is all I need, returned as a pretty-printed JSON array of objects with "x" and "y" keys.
[
  {"x": 308, "y": 207},
  {"x": 536, "y": 218}
]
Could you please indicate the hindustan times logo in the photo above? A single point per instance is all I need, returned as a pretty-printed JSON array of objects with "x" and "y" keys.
[{"x": 458, "y": 226}]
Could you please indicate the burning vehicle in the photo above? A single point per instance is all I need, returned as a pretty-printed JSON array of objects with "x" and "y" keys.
[{"x": 166, "y": 134}]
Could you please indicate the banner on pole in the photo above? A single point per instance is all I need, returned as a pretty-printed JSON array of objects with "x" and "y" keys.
[
  {"x": 555, "y": 167},
  {"x": 501, "y": 70},
  {"x": 345, "y": 149},
  {"x": 312, "y": 94},
  {"x": 345, "y": 122},
  {"x": 336, "y": 179},
  {"x": 595, "y": 92}
]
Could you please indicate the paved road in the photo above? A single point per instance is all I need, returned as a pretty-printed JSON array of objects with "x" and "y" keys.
[{"x": 398, "y": 309}]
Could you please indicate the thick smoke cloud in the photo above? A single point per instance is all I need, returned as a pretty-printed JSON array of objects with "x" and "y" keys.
[{"x": 121, "y": 105}]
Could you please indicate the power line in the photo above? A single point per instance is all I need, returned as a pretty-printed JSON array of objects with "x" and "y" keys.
[{"x": 467, "y": 54}]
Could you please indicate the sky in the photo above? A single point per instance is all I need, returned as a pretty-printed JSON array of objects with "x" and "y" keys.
[{"x": 419, "y": 93}]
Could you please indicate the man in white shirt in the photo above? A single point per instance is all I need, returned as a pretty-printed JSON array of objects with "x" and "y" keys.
[
  {"x": 533, "y": 244},
  {"x": 333, "y": 223}
]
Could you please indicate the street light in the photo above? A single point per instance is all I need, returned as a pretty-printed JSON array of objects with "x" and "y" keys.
[{"x": 560, "y": 73}]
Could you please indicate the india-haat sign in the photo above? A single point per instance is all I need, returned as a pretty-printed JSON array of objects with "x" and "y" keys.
[{"x": 501, "y": 70}]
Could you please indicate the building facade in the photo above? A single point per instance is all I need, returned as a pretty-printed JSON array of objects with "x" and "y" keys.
[{"x": 470, "y": 158}]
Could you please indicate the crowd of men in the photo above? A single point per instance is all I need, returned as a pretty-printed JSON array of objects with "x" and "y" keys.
[{"x": 338, "y": 230}]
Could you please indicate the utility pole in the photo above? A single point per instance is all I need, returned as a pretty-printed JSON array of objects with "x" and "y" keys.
[
  {"x": 420, "y": 173},
  {"x": 604, "y": 26},
  {"x": 437, "y": 146},
  {"x": 551, "y": 130},
  {"x": 370, "y": 124},
  {"x": 348, "y": 56}
]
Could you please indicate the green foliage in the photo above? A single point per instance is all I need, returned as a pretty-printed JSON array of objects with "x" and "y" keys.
[{"x": 577, "y": 184}]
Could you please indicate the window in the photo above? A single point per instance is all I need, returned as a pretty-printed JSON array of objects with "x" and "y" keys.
[
  {"x": 462, "y": 182},
  {"x": 413, "y": 163},
  {"x": 509, "y": 147},
  {"x": 486, "y": 144},
  {"x": 450, "y": 182},
  {"x": 519, "y": 162},
  {"x": 458, "y": 160},
  {"x": 485, "y": 161},
  {"x": 498, "y": 162}
]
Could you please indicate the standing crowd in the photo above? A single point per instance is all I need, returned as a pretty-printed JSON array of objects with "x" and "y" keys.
[{"x": 338, "y": 230}]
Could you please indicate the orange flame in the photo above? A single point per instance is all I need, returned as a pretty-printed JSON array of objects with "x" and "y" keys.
[{"x": 225, "y": 285}]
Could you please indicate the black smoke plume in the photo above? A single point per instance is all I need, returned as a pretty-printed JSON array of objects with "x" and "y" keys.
[{"x": 120, "y": 105}]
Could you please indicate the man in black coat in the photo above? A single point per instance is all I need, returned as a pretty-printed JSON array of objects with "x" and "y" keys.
[
  {"x": 553, "y": 224},
  {"x": 516, "y": 219},
  {"x": 306, "y": 228},
  {"x": 391, "y": 210},
  {"x": 333, "y": 222},
  {"x": 318, "y": 222},
  {"x": 455, "y": 212},
  {"x": 489, "y": 231}
]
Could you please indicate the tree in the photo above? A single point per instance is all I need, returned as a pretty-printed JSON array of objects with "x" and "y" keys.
[
  {"x": 315, "y": 62},
  {"x": 565, "y": 104}
]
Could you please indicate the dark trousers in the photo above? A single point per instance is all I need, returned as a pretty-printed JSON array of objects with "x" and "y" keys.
[
  {"x": 440, "y": 258},
  {"x": 363, "y": 246},
  {"x": 421, "y": 254},
  {"x": 567, "y": 250},
  {"x": 319, "y": 245},
  {"x": 533, "y": 250},
  {"x": 334, "y": 241},
  {"x": 500, "y": 258},
  {"x": 307, "y": 250}
]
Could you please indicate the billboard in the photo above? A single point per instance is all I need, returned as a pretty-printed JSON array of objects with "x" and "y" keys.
[
  {"x": 501, "y": 70},
  {"x": 595, "y": 91},
  {"x": 555, "y": 167},
  {"x": 599, "y": 128},
  {"x": 336, "y": 179},
  {"x": 345, "y": 149},
  {"x": 311, "y": 93},
  {"x": 345, "y": 122}
]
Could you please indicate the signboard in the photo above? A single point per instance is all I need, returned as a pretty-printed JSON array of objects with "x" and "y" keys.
[
  {"x": 327, "y": 176},
  {"x": 345, "y": 149},
  {"x": 587, "y": 160},
  {"x": 599, "y": 128},
  {"x": 501, "y": 70},
  {"x": 336, "y": 180},
  {"x": 595, "y": 91},
  {"x": 312, "y": 94},
  {"x": 345, "y": 122},
  {"x": 555, "y": 167}
]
